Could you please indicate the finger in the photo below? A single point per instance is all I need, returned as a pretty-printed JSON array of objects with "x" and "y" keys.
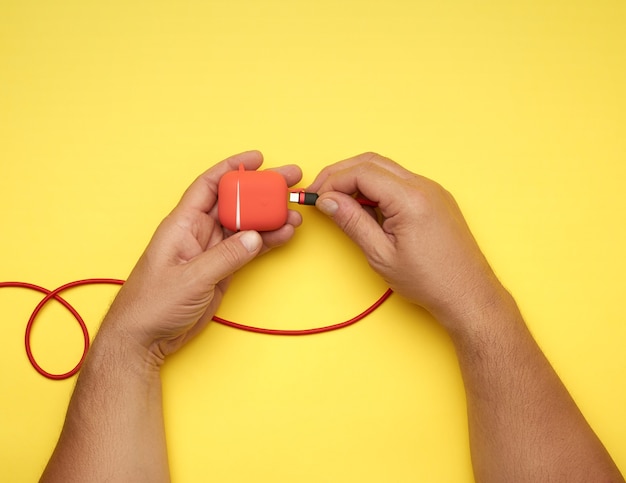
[
  {"x": 291, "y": 173},
  {"x": 280, "y": 236},
  {"x": 202, "y": 194},
  {"x": 365, "y": 158},
  {"x": 374, "y": 182},
  {"x": 294, "y": 218},
  {"x": 228, "y": 256},
  {"x": 371, "y": 209},
  {"x": 358, "y": 224},
  {"x": 276, "y": 238}
]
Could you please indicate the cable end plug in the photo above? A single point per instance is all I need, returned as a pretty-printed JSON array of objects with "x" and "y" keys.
[{"x": 303, "y": 198}]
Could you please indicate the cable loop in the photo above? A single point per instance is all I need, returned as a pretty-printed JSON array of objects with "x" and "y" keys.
[{"x": 54, "y": 294}]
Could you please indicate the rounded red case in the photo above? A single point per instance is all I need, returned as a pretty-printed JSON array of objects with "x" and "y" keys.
[{"x": 252, "y": 200}]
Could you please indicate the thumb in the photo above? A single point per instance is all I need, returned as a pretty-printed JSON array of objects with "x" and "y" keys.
[
  {"x": 357, "y": 223},
  {"x": 229, "y": 255}
]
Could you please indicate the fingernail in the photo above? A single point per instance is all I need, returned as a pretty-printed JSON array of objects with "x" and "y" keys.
[
  {"x": 328, "y": 206},
  {"x": 251, "y": 240}
]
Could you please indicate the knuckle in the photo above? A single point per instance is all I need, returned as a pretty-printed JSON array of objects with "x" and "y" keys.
[
  {"x": 370, "y": 156},
  {"x": 325, "y": 172},
  {"x": 420, "y": 203},
  {"x": 426, "y": 198},
  {"x": 229, "y": 253},
  {"x": 351, "y": 222}
]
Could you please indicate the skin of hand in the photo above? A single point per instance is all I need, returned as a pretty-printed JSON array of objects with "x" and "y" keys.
[
  {"x": 523, "y": 424},
  {"x": 178, "y": 283},
  {"x": 114, "y": 429},
  {"x": 423, "y": 248}
]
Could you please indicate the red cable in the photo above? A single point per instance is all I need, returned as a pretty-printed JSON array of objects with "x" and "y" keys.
[
  {"x": 54, "y": 294},
  {"x": 316, "y": 330}
]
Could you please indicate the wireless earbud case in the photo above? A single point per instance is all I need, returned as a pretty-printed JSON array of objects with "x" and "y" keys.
[{"x": 252, "y": 200}]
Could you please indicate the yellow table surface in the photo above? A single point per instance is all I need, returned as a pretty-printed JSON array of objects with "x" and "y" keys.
[{"x": 108, "y": 110}]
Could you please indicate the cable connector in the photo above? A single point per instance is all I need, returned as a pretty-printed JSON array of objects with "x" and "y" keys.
[
  {"x": 306, "y": 198},
  {"x": 303, "y": 198}
]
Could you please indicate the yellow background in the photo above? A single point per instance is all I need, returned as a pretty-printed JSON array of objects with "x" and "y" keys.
[{"x": 108, "y": 110}]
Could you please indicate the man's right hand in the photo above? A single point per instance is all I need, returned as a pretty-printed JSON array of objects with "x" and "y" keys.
[{"x": 423, "y": 248}]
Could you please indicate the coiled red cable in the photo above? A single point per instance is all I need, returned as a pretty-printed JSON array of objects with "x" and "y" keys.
[{"x": 54, "y": 294}]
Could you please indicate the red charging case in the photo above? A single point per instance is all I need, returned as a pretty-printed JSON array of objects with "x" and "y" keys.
[{"x": 252, "y": 200}]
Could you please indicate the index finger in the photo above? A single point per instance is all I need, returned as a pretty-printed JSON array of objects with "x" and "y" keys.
[
  {"x": 365, "y": 158},
  {"x": 375, "y": 182}
]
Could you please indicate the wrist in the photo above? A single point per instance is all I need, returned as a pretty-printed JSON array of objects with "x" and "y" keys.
[
  {"x": 116, "y": 350},
  {"x": 484, "y": 306},
  {"x": 495, "y": 321}
]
